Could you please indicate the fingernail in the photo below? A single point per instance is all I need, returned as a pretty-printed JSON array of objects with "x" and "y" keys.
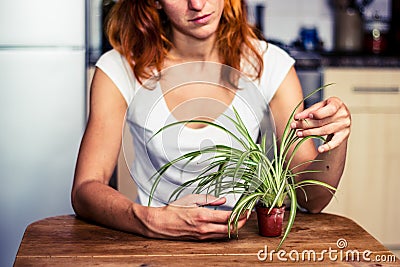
[
  {"x": 293, "y": 125},
  {"x": 299, "y": 133},
  {"x": 321, "y": 149},
  {"x": 311, "y": 116}
]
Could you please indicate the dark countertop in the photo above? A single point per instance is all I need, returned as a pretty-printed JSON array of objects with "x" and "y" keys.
[
  {"x": 316, "y": 59},
  {"x": 360, "y": 60}
]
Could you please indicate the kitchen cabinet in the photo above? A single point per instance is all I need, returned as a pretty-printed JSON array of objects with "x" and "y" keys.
[{"x": 368, "y": 192}]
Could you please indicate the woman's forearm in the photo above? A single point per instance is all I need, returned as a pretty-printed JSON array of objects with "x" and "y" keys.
[
  {"x": 331, "y": 164},
  {"x": 102, "y": 204}
]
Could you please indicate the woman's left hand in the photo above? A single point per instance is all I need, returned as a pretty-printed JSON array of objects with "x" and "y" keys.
[{"x": 329, "y": 117}]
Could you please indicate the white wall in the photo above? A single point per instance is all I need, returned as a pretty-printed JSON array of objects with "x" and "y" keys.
[{"x": 284, "y": 18}]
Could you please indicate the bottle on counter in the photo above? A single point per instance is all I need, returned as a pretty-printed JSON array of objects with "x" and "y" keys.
[{"x": 376, "y": 35}]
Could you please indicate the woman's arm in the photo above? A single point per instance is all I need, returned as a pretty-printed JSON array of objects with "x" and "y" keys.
[
  {"x": 93, "y": 199},
  {"x": 329, "y": 117}
]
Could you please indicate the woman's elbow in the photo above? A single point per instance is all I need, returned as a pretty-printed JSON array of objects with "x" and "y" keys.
[
  {"x": 74, "y": 200},
  {"x": 315, "y": 210}
]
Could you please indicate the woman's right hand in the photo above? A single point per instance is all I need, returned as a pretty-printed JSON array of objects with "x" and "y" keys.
[{"x": 188, "y": 218}]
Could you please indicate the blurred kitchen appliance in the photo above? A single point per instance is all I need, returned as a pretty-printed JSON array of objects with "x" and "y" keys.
[
  {"x": 348, "y": 27},
  {"x": 308, "y": 67},
  {"x": 94, "y": 30},
  {"x": 97, "y": 40},
  {"x": 256, "y": 16},
  {"x": 106, "y": 8},
  {"x": 260, "y": 18},
  {"x": 348, "y": 24},
  {"x": 42, "y": 118},
  {"x": 395, "y": 27},
  {"x": 309, "y": 70},
  {"x": 309, "y": 38}
]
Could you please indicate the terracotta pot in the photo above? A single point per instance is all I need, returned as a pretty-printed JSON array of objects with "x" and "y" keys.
[{"x": 270, "y": 224}]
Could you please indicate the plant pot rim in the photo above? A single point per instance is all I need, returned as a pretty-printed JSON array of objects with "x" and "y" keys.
[{"x": 260, "y": 205}]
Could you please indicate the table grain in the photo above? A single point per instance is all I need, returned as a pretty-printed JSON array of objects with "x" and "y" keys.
[{"x": 70, "y": 241}]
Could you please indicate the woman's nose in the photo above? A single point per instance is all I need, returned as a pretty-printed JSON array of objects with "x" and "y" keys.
[{"x": 196, "y": 4}]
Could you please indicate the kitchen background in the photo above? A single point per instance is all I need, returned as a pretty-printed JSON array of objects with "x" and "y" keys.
[
  {"x": 47, "y": 52},
  {"x": 284, "y": 18}
]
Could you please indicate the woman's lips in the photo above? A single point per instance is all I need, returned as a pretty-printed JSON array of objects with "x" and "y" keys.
[{"x": 201, "y": 19}]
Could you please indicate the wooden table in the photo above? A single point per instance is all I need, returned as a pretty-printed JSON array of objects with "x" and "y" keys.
[{"x": 68, "y": 241}]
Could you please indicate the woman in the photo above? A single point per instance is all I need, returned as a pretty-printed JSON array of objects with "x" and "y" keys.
[{"x": 152, "y": 36}]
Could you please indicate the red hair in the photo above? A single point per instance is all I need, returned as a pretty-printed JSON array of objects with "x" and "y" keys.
[{"x": 141, "y": 33}]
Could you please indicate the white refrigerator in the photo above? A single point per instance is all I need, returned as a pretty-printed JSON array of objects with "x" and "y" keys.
[{"x": 42, "y": 111}]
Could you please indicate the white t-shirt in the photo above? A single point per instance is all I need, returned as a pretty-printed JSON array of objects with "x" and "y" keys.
[{"x": 148, "y": 112}]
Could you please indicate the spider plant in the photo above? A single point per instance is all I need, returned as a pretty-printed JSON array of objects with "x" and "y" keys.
[{"x": 248, "y": 171}]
